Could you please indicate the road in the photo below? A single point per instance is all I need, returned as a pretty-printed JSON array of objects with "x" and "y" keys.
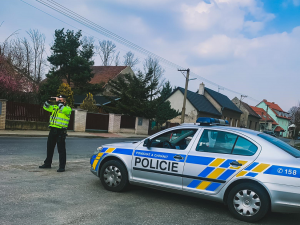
[{"x": 33, "y": 196}]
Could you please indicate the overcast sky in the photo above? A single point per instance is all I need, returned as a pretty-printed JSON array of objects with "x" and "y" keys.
[{"x": 248, "y": 46}]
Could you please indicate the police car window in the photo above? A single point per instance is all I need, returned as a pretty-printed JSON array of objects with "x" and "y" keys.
[
  {"x": 216, "y": 142},
  {"x": 175, "y": 139},
  {"x": 244, "y": 147},
  {"x": 280, "y": 144}
]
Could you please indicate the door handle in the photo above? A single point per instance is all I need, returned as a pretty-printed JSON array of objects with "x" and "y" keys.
[
  {"x": 179, "y": 157},
  {"x": 235, "y": 163}
]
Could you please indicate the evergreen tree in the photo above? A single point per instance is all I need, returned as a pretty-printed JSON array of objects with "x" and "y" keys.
[
  {"x": 49, "y": 87},
  {"x": 135, "y": 95},
  {"x": 72, "y": 58},
  {"x": 165, "y": 112},
  {"x": 65, "y": 89},
  {"x": 89, "y": 104},
  {"x": 166, "y": 91}
]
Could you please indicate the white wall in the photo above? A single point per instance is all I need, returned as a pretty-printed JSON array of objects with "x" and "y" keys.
[{"x": 176, "y": 101}]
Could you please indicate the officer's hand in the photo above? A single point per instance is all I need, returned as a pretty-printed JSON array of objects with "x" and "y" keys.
[{"x": 55, "y": 98}]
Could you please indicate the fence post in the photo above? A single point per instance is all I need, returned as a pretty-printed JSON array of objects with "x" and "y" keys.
[
  {"x": 2, "y": 113},
  {"x": 80, "y": 120},
  {"x": 114, "y": 123},
  {"x": 141, "y": 125}
]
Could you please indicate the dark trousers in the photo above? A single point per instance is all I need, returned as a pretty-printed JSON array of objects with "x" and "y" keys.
[{"x": 56, "y": 136}]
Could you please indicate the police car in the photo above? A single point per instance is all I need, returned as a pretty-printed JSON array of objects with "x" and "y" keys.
[{"x": 251, "y": 172}]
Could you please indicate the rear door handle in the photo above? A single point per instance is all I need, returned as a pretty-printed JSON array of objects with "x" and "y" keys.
[
  {"x": 235, "y": 163},
  {"x": 179, "y": 157}
]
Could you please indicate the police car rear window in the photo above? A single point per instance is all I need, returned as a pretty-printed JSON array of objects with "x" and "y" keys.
[{"x": 281, "y": 144}]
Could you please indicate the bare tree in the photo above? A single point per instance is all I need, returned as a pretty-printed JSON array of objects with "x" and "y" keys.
[
  {"x": 129, "y": 59},
  {"x": 295, "y": 114},
  {"x": 152, "y": 64},
  {"x": 106, "y": 50},
  {"x": 38, "y": 51},
  {"x": 27, "y": 56},
  {"x": 117, "y": 59}
]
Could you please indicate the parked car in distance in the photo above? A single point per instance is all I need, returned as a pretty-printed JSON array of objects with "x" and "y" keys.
[{"x": 270, "y": 133}]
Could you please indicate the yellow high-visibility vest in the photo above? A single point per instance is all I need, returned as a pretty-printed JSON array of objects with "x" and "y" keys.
[{"x": 60, "y": 117}]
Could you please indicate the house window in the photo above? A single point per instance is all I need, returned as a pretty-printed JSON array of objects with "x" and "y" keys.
[{"x": 250, "y": 124}]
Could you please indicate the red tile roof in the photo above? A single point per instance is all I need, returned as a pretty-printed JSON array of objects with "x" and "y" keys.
[
  {"x": 101, "y": 74},
  {"x": 262, "y": 113},
  {"x": 105, "y": 73},
  {"x": 279, "y": 128},
  {"x": 274, "y": 107}
]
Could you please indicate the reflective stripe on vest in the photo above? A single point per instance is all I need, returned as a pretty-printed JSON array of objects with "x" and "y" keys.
[{"x": 59, "y": 118}]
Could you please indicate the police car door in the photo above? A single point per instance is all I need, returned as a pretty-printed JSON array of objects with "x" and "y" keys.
[
  {"x": 162, "y": 162},
  {"x": 216, "y": 157}
]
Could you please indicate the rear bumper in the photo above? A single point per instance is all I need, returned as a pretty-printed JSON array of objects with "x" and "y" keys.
[{"x": 284, "y": 198}]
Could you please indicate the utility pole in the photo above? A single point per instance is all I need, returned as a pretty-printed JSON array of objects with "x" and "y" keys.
[
  {"x": 185, "y": 93},
  {"x": 266, "y": 117},
  {"x": 242, "y": 97}
]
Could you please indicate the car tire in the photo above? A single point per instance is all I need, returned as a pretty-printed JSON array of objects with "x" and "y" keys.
[
  {"x": 248, "y": 202},
  {"x": 114, "y": 176}
]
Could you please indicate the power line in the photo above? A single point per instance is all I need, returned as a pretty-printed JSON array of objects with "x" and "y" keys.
[{"x": 99, "y": 29}]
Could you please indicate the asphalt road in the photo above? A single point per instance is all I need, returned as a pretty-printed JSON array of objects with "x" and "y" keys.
[{"x": 33, "y": 196}]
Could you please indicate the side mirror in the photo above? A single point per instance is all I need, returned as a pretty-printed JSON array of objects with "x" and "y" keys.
[{"x": 147, "y": 143}]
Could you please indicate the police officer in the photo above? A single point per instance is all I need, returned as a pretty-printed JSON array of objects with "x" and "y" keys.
[{"x": 58, "y": 123}]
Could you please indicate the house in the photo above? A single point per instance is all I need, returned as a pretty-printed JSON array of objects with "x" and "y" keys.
[
  {"x": 100, "y": 101},
  {"x": 281, "y": 117},
  {"x": 249, "y": 119},
  {"x": 102, "y": 74},
  {"x": 204, "y": 103},
  {"x": 266, "y": 122}
]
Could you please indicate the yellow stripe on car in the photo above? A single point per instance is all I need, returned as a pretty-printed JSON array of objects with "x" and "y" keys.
[
  {"x": 242, "y": 173},
  {"x": 110, "y": 150},
  {"x": 261, "y": 167},
  {"x": 216, "y": 173},
  {"x": 217, "y": 162},
  {"x": 203, "y": 185}
]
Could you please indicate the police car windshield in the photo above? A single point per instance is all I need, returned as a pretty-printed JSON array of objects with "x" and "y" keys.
[{"x": 284, "y": 146}]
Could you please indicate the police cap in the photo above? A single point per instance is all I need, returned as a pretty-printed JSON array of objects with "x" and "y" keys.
[{"x": 61, "y": 96}]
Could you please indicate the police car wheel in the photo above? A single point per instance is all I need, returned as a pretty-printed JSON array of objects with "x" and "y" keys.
[
  {"x": 248, "y": 202},
  {"x": 113, "y": 176}
]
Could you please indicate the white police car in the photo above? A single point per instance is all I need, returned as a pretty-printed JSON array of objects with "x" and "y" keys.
[{"x": 251, "y": 172}]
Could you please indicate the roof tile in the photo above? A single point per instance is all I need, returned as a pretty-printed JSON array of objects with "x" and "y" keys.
[
  {"x": 200, "y": 102},
  {"x": 223, "y": 100}
]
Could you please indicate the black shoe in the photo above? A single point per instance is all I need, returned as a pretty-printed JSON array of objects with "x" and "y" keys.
[
  {"x": 44, "y": 166},
  {"x": 61, "y": 170}
]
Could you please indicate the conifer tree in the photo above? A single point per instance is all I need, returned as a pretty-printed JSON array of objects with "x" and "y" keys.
[
  {"x": 65, "y": 89},
  {"x": 89, "y": 104}
]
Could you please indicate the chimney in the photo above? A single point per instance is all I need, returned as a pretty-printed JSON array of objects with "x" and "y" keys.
[
  {"x": 264, "y": 100},
  {"x": 201, "y": 89},
  {"x": 273, "y": 102}
]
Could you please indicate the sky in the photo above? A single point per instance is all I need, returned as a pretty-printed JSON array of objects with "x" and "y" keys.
[{"x": 248, "y": 46}]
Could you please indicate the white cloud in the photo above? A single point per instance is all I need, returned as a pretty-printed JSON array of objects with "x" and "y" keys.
[
  {"x": 296, "y": 2},
  {"x": 225, "y": 16}
]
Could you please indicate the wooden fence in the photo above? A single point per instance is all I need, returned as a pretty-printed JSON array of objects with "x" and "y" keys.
[
  {"x": 127, "y": 122},
  {"x": 26, "y": 112},
  {"x": 97, "y": 121}
]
